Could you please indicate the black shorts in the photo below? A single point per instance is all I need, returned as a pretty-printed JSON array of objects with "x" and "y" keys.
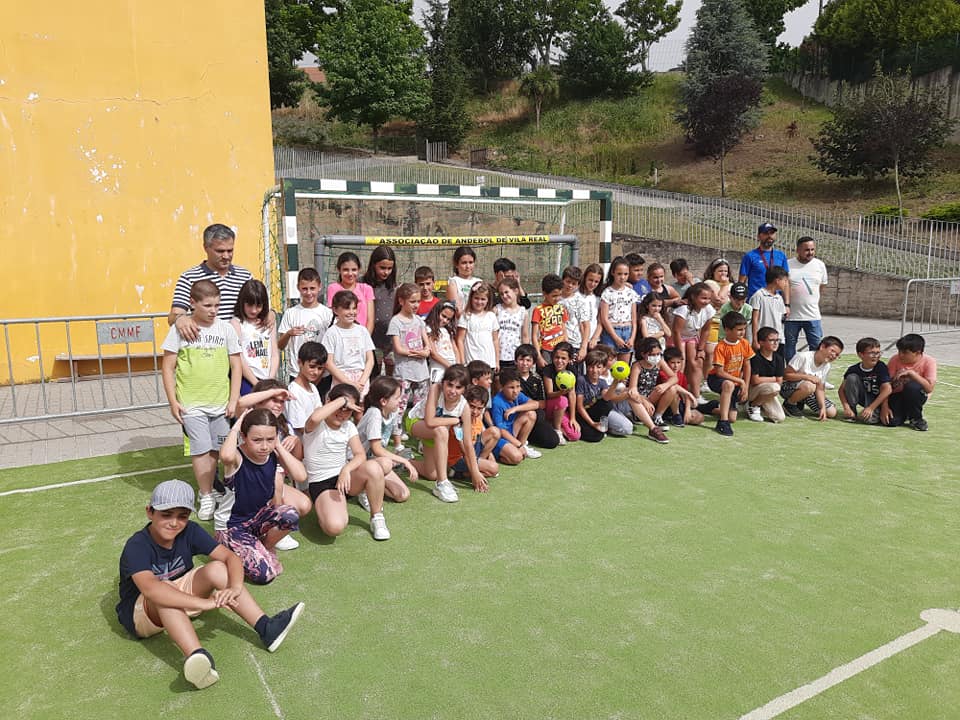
[
  {"x": 715, "y": 383},
  {"x": 321, "y": 486}
]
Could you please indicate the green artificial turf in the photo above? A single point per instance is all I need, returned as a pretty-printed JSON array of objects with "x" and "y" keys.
[{"x": 621, "y": 580}]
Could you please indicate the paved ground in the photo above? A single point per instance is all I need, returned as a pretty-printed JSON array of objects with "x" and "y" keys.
[{"x": 36, "y": 442}]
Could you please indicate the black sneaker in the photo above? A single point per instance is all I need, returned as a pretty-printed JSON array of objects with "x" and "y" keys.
[
  {"x": 723, "y": 427},
  {"x": 677, "y": 420},
  {"x": 793, "y": 410},
  {"x": 920, "y": 424},
  {"x": 279, "y": 625},
  {"x": 200, "y": 670}
]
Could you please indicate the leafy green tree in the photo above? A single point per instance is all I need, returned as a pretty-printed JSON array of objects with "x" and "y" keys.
[
  {"x": 597, "y": 59},
  {"x": 647, "y": 21},
  {"x": 446, "y": 117},
  {"x": 292, "y": 27},
  {"x": 372, "y": 54},
  {"x": 725, "y": 67},
  {"x": 539, "y": 85},
  {"x": 892, "y": 128},
  {"x": 550, "y": 20},
  {"x": 492, "y": 38},
  {"x": 768, "y": 15}
]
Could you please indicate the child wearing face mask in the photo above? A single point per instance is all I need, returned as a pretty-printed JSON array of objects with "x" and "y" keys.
[{"x": 656, "y": 396}]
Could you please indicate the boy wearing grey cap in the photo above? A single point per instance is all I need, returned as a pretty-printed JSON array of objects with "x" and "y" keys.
[{"x": 160, "y": 589}]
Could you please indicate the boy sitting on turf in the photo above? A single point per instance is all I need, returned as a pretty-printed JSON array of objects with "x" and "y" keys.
[
  {"x": 515, "y": 414},
  {"x": 684, "y": 406},
  {"x": 912, "y": 375},
  {"x": 532, "y": 385},
  {"x": 201, "y": 379},
  {"x": 730, "y": 374},
  {"x": 805, "y": 379},
  {"x": 766, "y": 377},
  {"x": 487, "y": 440},
  {"x": 160, "y": 589},
  {"x": 866, "y": 383}
]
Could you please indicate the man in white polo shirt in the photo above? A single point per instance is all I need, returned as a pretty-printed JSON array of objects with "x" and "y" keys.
[{"x": 808, "y": 275}]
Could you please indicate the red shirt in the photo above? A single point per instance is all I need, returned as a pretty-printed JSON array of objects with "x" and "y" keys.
[{"x": 425, "y": 306}]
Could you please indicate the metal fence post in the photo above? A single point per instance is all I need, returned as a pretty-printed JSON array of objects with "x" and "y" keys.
[{"x": 856, "y": 262}]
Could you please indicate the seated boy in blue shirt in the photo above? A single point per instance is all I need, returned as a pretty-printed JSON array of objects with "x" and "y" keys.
[
  {"x": 160, "y": 589},
  {"x": 865, "y": 384},
  {"x": 515, "y": 414}
]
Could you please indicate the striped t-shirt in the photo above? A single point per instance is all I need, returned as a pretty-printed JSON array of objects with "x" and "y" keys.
[{"x": 229, "y": 286}]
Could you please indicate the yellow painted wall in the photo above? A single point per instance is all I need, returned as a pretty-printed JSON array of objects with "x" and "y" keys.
[{"x": 126, "y": 127}]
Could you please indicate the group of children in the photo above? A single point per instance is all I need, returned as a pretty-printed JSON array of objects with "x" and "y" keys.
[{"x": 474, "y": 380}]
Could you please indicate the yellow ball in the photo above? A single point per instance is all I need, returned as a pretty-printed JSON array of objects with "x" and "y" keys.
[
  {"x": 620, "y": 370},
  {"x": 566, "y": 380}
]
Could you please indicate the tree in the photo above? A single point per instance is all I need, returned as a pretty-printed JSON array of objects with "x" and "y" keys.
[
  {"x": 292, "y": 28},
  {"x": 874, "y": 25},
  {"x": 892, "y": 128},
  {"x": 372, "y": 54},
  {"x": 492, "y": 38},
  {"x": 725, "y": 68},
  {"x": 596, "y": 60},
  {"x": 445, "y": 118},
  {"x": 539, "y": 85},
  {"x": 768, "y": 15},
  {"x": 647, "y": 21},
  {"x": 550, "y": 20}
]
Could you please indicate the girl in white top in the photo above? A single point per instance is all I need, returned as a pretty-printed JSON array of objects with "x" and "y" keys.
[
  {"x": 478, "y": 332},
  {"x": 462, "y": 280},
  {"x": 329, "y": 435},
  {"x": 652, "y": 323},
  {"x": 691, "y": 326},
  {"x": 590, "y": 291},
  {"x": 618, "y": 310},
  {"x": 512, "y": 319},
  {"x": 258, "y": 342},
  {"x": 442, "y": 329},
  {"x": 432, "y": 421},
  {"x": 349, "y": 345},
  {"x": 381, "y": 420}
]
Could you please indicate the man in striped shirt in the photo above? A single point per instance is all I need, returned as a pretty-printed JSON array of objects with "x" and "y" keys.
[{"x": 219, "y": 269}]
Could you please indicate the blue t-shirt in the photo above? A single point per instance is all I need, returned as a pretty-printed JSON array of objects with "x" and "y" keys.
[
  {"x": 500, "y": 406},
  {"x": 590, "y": 392},
  {"x": 253, "y": 486},
  {"x": 641, "y": 287},
  {"x": 142, "y": 553},
  {"x": 754, "y": 266},
  {"x": 872, "y": 378}
]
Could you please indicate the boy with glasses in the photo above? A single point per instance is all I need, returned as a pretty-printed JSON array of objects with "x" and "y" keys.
[
  {"x": 766, "y": 376},
  {"x": 865, "y": 384}
]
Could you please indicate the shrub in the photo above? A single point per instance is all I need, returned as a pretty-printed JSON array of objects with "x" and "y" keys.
[{"x": 948, "y": 212}]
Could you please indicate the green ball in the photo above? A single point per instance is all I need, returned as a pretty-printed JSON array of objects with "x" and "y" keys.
[
  {"x": 566, "y": 380},
  {"x": 620, "y": 370}
]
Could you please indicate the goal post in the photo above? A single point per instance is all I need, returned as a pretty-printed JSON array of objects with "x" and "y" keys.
[{"x": 516, "y": 207}]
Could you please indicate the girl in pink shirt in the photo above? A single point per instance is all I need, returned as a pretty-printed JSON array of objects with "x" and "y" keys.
[{"x": 348, "y": 267}]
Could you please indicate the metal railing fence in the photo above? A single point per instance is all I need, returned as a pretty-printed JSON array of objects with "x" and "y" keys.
[
  {"x": 931, "y": 305},
  {"x": 912, "y": 248},
  {"x": 43, "y": 358}
]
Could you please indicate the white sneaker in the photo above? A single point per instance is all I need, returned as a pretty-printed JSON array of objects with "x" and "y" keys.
[
  {"x": 704, "y": 387},
  {"x": 445, "y": 491},
  {"x": 378, "y": 527},
  {"x": 561, "y": 440},
  {"x": 287, "y": 542},
  {"x": 208, "y": 504},
  {"x": 829, "y": 386},
  {"x": 530, "y": 452},
  {"x": 363, "y": 501},
  {"x": 604, "y": 424},
  {"x": 404, "y": 437},
  {"x": 753, "y": 413},
  {"x": 701, "y": 400}
]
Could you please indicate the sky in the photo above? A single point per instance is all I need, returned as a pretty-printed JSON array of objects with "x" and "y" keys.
[{"x": 668, "y": 53}]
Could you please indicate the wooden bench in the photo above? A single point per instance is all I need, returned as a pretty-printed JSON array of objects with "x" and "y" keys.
[{"x": 75, "y": 360}]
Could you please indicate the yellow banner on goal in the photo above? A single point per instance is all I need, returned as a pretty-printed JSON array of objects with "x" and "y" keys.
[{"x": 463, "y": 240}]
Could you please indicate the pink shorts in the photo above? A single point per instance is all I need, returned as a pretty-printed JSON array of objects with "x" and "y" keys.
[{"x": 142, "y": 622}]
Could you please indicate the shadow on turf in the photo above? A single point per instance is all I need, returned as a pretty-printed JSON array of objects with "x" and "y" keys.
[{"x": 208, "y": 626}]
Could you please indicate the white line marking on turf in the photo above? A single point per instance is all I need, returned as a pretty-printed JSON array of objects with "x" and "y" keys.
[
  {"x": 263, "y": 681},
  {"x": 936, "y": 620},
  {"x": 91, "y": 480},
  {"x": 943, "y": 382}
]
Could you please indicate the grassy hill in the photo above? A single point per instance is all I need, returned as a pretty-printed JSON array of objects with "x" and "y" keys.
[{"x": 623, "y": 141}]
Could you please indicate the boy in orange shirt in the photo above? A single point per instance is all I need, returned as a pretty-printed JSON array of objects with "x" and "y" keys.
[
  {"x": 549, "y": 320},
  {"x": 730, "y": 374}
]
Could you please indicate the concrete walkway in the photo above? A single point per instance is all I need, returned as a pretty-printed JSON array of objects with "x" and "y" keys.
[{"x": 38, "y": 442}]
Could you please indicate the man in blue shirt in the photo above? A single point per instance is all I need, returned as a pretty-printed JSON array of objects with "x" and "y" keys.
[{"x": 754, "y": 266}]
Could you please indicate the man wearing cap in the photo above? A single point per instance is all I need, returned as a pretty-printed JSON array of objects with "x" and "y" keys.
[
  {"x": 808, "y": 275},
  {"x": 754, "y": 266},
  {"x": 218, "y": 268}
]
